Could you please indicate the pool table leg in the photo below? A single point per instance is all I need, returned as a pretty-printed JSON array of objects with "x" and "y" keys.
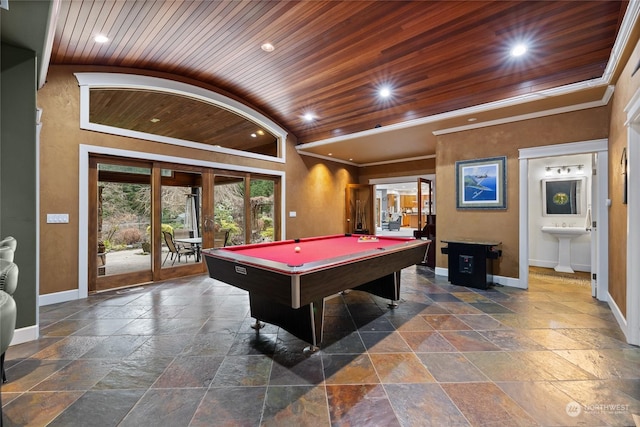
[
  {"x": 304, "y": 322},
  {"x": 317, "y": 310},
  {"x": 384, "y": 287},
  {"x": 393, "y": 301},
  {"x": 258, "y": 325}
]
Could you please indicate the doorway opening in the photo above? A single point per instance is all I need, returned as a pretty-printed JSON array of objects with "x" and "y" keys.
[
  {"x": 404, "y": 205},
  {"x": 560, "y": 201},
  {"x": 538, "y": 166}
]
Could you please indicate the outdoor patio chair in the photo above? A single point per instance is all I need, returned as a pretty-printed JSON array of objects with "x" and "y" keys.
[
  {"x": 220, "y": 238},
  {"x": 175, "y": 250}
]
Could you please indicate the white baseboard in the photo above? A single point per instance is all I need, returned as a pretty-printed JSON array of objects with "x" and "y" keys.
[
  {"x": 500, "y": 280},
  {"x": 26, "y": 334},
  {"x": 58, "y": 297},
  {"x": 31, "y": 333},
  {"x": 542, "y": 263},
  {"x": 551, "y": 264},
  {"x": 440, "y": 271},
  {"x": 622, "y": 321},
  {"x": 511, "y": 282}
]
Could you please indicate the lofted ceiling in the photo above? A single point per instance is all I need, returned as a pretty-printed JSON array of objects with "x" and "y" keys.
[{"x": 446, "y": 63}]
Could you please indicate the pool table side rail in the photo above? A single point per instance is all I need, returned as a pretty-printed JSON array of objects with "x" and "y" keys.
[
  {"x": 299, "y": 288},
  {"x": 281, "y": 267},
  {"x": 329, "y": 281}
]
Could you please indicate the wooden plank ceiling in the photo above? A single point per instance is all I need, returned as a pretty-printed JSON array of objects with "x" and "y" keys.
[{"x": 331, "y": 57}]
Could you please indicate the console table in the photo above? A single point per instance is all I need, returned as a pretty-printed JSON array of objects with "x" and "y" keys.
[{"x": 471, "y": 261}]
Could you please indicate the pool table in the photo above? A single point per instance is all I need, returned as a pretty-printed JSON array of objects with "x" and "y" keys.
[{"x": 288, "y": 280}]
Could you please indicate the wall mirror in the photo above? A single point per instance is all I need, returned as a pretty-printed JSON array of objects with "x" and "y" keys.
[{"x": 563, "y": 196}]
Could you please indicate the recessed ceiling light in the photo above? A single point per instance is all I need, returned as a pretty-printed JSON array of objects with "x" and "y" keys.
[
  {"x": 260, "y": 132},
  {"x": 308, "y": 117},
  {"x": 384, "y": 92},
  {"x": 268, "y": 47},
  {"x": 154, "y": 120},
  {"x": 100, "y": 38},
  {"x": 253, "y": 135},
  {"x": 331, "y": 154},
  {"x": 518, "y": 50}
]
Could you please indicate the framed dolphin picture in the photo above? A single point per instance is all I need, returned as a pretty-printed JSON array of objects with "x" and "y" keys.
[{"x": 481, "y": 183}]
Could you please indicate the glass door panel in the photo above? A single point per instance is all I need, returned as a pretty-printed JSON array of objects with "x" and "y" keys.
[
  {"x": 180, "y": 230},
  {"x": 122, "y": 219},
  {"x": 262, "y": 210},
  {"x": 427, "y": 228},
  {"x": 229, "y": 210},
  {"x": 425, "y": 201}
]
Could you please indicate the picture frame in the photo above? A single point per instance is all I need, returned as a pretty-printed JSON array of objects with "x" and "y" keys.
[
  {"x": 564, "y": 196},
  {"x": 481, "y": 183}
]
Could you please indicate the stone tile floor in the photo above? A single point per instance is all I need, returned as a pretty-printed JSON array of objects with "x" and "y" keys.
[{"x": 182, "y": 353}]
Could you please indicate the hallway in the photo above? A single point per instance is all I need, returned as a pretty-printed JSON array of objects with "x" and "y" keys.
[{"x": 181, "y": 352}]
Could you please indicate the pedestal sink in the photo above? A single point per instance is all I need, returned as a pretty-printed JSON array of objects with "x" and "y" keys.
[{"x": 564, "y": 236}]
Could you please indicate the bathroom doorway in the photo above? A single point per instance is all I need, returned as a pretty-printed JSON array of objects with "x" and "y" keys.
[
  {"x": 542, "y": 241},
  {"x": 560, "y": 217}
]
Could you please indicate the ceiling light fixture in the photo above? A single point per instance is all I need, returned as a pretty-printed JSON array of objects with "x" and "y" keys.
[
  {"x": 268, "y": 47},
  {"x": 565, "y": 169},
  {"x": 308, "y": 117},
  {"x": 384, "y": 92},
  {"x": 101, "y": 38},
  {"x": 253, "y": 135},
  {"x": 518, "y": 50},
  {"x": 154, "y": 120}
]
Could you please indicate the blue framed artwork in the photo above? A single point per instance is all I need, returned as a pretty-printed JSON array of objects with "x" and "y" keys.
[{"x": 481, "y": 183}]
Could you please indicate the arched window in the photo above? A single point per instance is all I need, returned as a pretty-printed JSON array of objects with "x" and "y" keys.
[{"x": 176, "y": 113}]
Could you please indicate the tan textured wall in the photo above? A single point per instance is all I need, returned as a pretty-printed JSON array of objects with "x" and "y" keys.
[
  {"x": 315, "y": 191},
  {"x": 626, "y": 87},
  {"x": 501, "y": 140},
  {"x": 412, "y": 168}
]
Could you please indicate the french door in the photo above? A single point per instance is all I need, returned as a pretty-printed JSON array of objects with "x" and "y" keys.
[
  {"x": 246, "y": 208},
  {"x": 425, "y": 202},
  {"x": 119, "y": 216},
  {"x": 149, "y": 221}
]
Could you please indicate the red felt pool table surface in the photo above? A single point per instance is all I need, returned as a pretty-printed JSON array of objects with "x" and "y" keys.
[{"x": 325, "y": 250}]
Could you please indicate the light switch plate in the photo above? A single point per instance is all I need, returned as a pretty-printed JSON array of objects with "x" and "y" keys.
[{"x": 57, "y": 218}]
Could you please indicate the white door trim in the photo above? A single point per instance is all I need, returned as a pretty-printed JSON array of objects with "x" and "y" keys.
[{"x": 633, "y": 220}]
